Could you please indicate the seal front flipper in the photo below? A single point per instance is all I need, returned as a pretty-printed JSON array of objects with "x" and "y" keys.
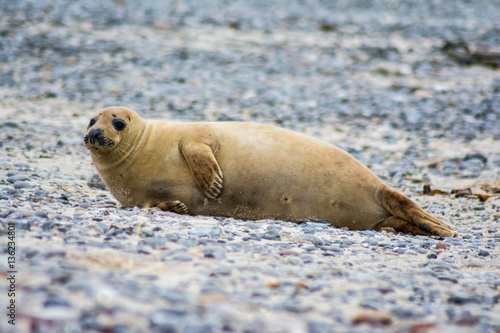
[
  {"x": 204, "y": 167},
  {"x": 173, "y": 206}
]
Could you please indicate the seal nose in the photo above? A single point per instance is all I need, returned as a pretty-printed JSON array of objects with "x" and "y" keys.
[{"x": 93, "y": 135}]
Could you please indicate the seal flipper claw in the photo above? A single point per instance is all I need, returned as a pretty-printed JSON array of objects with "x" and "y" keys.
[
  {"x": 204, "y": 167},
  {"x": 173, "y": 206}
]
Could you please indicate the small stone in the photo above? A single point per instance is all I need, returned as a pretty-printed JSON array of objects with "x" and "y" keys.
[
  {"x": 400, "y": 250},
  {"x": 308, "y": 247},
  {"x": 332, "y": 248},
  {"x": 274, "y": 227},
  {"x": 313, "y": 239},
  {"x": 483, "y": 253},
  {"x": 252, "y": 225},
  {"x": 48, "y": 225},
  {"x": 222, "y": 271},
  {"x": 41, "y": 213},
  {"x": 75, "y": 234},
  {"x": 200, "y": 231},
  {"x": 308, "y": 230},
  {"x": 17, "y": 178},
  {"x": 271, "y": 234},
  {"x": 22, "y": 184},
  {"x": 441, "y": 246},
  {"x": 215, "y": 252},
  {"x": 183, "y": 256},
  {"x": 164, "y": 321},
  {"x": 172, "y": 237},
  {"x": 147, "y": 233},
  {"x": 368, "y": 233},
  {"x": 96, "y": 182},
  {"x": 214, "y": 233},
  {"x": 56, "y": 301},
  {"x": 460, "y": 300},
  {"x": 23, "y": 224},
  {"x": 293, "y": 306},
  {"x": 432, "y": 256}
]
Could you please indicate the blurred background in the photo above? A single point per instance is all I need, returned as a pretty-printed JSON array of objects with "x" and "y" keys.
[{"x": 285, "y": 62}]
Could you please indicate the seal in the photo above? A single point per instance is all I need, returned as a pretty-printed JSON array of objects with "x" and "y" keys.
[{"x": 246, "y": 171}]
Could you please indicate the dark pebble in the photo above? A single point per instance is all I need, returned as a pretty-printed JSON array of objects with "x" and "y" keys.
[
  {"x": 96, "y": 182},
  {"x": 23, "y": 224},
  {"x": 483, "y": 253},
  {"x": 17, "y": 178},
  {"x": 56, "y": 301},
  {"x": 432, "y": 256},
  {"x": 172, "y": 237},
  {"x": 406, "y": 313},
  {"x": 22, "y": 184},
  {"x": 41, "y": 193},
  {"x": 461, "y": 300},
  {"x": 41, "y": 213},
  {"x": 147, "y": 233}
]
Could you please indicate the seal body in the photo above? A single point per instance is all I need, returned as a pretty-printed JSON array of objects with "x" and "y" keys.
[{"x": 246, "y": 171}]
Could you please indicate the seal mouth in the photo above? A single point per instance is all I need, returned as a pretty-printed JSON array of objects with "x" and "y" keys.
[{"x": 96, "y": 137}]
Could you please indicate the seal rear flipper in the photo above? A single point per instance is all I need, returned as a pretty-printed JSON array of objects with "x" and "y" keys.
[
  {"x": 204, "y": 167},
  {"x": 409, "y": 216},
  {"x": 173, "y": 206}
]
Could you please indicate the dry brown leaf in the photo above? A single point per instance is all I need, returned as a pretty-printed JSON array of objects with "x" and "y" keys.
[
  {"x": 437, "y": 191},
  {"x": 483, "y": 197},
  {"x": 428, "y": 191}
]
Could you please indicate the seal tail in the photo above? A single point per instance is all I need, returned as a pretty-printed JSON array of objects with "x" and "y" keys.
[{"x": 408, "y": 217}]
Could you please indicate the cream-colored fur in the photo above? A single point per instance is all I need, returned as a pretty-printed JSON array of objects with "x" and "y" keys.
[{"x": 247, "y": 171}]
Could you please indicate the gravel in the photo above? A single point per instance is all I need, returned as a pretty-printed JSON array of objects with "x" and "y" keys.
[{"x": 371, "y": 77}]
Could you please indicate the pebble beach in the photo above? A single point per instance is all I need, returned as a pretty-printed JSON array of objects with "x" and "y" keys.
[{"x": 374, "y": 78}]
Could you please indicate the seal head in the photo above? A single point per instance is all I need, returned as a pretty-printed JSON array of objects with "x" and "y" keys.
[{"x": 107, "y": 129}]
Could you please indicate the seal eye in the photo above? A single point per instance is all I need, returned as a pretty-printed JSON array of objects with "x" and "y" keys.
[
  {"x": 119, "y": 124},
  {"x": 92, "y": 122}
]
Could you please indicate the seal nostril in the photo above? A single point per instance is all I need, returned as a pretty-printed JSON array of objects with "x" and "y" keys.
[{"x": 93, "y": 135}]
